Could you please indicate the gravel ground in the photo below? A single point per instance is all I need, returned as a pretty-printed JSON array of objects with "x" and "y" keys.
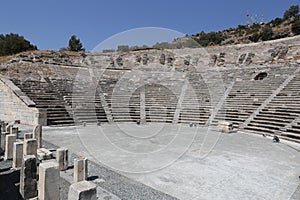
[{"x": 113, "y": 185}]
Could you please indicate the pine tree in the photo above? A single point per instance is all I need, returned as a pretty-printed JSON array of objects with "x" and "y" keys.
[{"x": 75, "y": 44}]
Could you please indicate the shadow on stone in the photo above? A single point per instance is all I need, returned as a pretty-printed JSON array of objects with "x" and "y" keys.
[
  {"x": 70, "y": 167},
  {"x": 9, "y": 185},
  {"x": 92, "y": 178}
]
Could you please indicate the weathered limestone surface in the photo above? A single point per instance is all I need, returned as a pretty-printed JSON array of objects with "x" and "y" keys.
[
  {"x": 225, "y": 126},
  {"x": 30, "y": 147},
  {"x": 82, "y": 190},
  {"x": 3, "y": 139},
  {"x": 37, "y": 134},
  {"x": 80, "y": 169},
  {"x": 9, "y": 143},
  {"x": 28, "y": 136},
  {"x": 14, "y": 130},
  {"x": 17, "y": 154},
  {"x": 44, "y": 154},
  {"x": 28, "y": 177},
  {"x": 62, "y": 158},
  {"x": 8, "y": 128},
  {"x": 49, "y": 181}
]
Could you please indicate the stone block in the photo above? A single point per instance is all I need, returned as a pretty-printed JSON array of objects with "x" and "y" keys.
[
  {"x": 8, "y": 128},
  {"x": 48, "y": 181},
  {"x": 3, "y": 139},
  {"x": 17, "y": 155},
  {"x": 28, "y": 177},
  {"x": 37, "y": 134},
  {"x": 62, "y": 158},
  {"x": 9, "y": 146},
  {"x": 80, "y": 169},
  {"x": 82, "y": 190},
  {"x": 3, "y": 126},
  {"x": 30, "y": 147},
  {"x": 44, "y": 154},
  {"x": 225, "y": 126},
  {"x": 14, "y": 130},
  {"x": 28, "y": 136}
]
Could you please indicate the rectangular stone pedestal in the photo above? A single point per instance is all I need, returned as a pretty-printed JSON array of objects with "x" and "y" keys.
[
  {"x": 28, "y": 178},
  {"x": 28, "y": 136},
  {"x": 49, "y": 181},
  {"x": 3, "y": 139},
  {"x": 82, "y": 190},
  {"x": 62, "y": 158},
  {"x": 80, "y": 169},
  {"x": 37, "y": 134},
  {"x": 30, "y": 147},
  {"x": 14, "y": 130},
  {"x": 17, "y": 155},
  {"x": 9, "y": 146}
]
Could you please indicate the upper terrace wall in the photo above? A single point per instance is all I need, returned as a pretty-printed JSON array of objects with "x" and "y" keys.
[
  {"x": 277, "y": 52},
  {"x": 57, "y": 64},
  {"x": 15, "y": 105}
]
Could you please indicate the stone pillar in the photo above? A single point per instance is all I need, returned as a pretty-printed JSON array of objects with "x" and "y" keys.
[
  {"x": 62, "y": 158},
  {"x": 41, "y": 117},
  {"x": 28, "y": 136},
  {"x": 9, "y": 146},
  {"x": 49, "y": 181},
  {"x": 3, "y": 139},
  {"x": 80, "y": 169},
  {"x": 17, "y": 155},
  {"x": 7, "y": 128},
  {"x": 37, "y": 134},
  {"x": 4, "y": 124},
  {"x": 30, "y": 147},
  {"x": 14, "y": 130},
  {"x": 143, "y": 105},
  {"x": 28, "y": 177},
  {"x": 83, "y": 190}
]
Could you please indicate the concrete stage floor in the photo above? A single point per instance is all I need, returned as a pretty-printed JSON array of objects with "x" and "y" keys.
[{"x": 189, "y": 162}]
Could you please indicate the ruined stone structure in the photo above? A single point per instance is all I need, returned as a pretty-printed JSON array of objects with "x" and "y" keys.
[{"x": 256, "y": 90}]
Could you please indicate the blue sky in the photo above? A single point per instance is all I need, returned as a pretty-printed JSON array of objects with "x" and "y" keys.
[{"x": 49, "y": 24}]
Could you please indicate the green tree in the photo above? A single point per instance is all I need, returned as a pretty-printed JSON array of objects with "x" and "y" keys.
[
  {"x": 123, "y": 48},
  {"x": 13, "y": 43},
  {"x": 206, "y": 39},
  {"x": 296, "y": 26},
  {"x": 267, "y": 33},
  {"x": 291, "y": 12},
  {"x": 75, "y": 44}
]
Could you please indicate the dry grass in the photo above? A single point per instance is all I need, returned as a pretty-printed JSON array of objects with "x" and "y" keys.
[{"x": 4, "y": 59}]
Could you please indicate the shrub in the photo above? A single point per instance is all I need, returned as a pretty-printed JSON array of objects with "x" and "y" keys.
[
  {"x": 296, "y": 26},
  {"x": 13, "y": 43},
  {"x": 255, "y": 37},
  {"x": 277, "y": 21},
  {"x": 267, "y": 33},
  {"x": 291, "y": 12},
  {"x": 123, "y": 48}
]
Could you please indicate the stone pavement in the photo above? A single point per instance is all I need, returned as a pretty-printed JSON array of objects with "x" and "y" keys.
[{"x": 238, "y": 166}]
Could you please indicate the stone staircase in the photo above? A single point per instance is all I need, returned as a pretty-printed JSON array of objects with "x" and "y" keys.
[
  {"x": 85, "y": 108},
  {"x": 245, "y": 97},
  {"x": 46, "y": 98},
  {"x": 280, "y": 115},
  {"x": 196, "y": 106},
  {"x": 122, "y": 103}
]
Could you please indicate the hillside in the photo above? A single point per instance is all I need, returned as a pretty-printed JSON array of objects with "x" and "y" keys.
[{"x": 287, "y": 26}]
